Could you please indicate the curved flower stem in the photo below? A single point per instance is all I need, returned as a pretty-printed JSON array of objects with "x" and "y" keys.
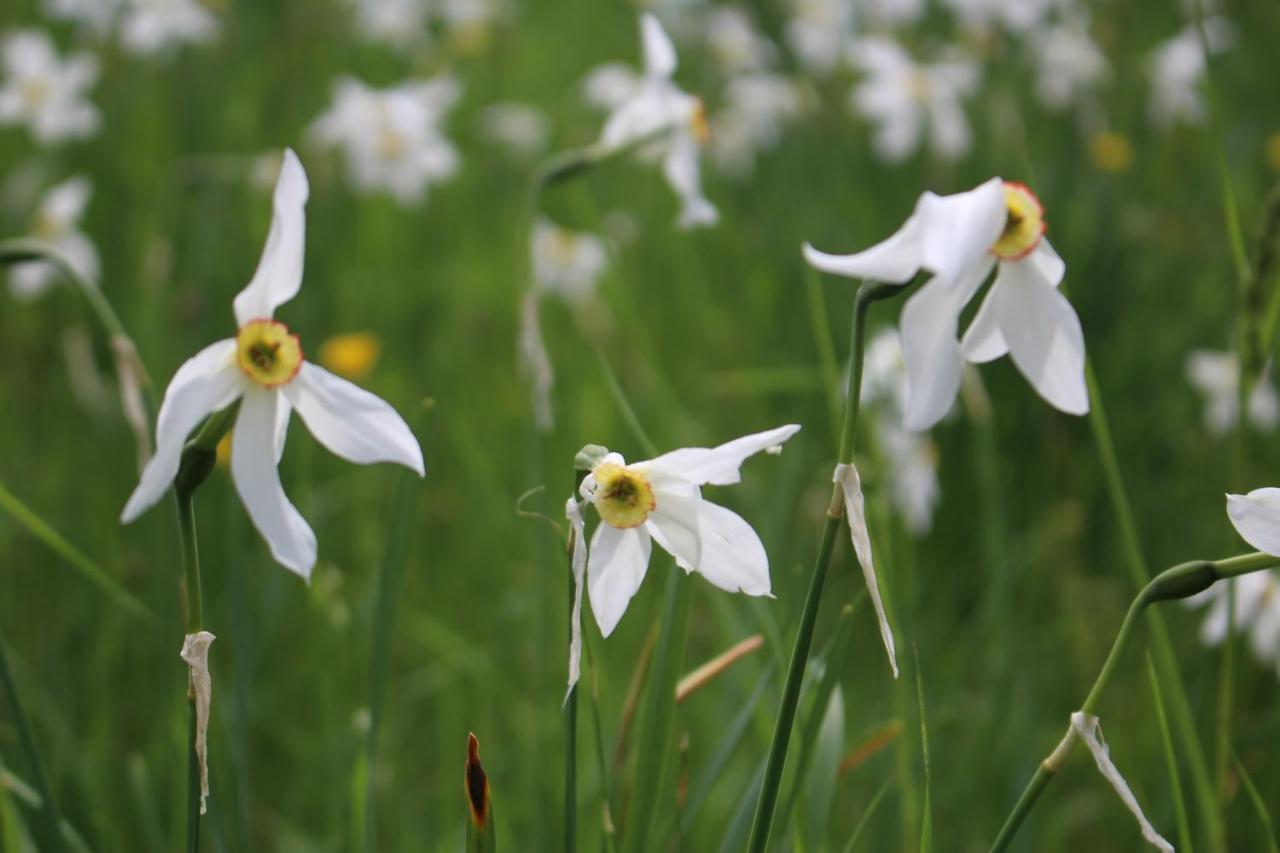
[
  {"x": 1161, "y": 646},
  {"x": 766, "y": 804},
  {"x": 1181, "y": 581},
  {"x": 51, "y": 817}
]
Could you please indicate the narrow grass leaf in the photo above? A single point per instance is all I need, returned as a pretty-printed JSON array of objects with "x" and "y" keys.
[
  {"x": 1256, "y": 800},
  {"x": 867, "y": 815},
  {"x": 1171, "y": 761}
]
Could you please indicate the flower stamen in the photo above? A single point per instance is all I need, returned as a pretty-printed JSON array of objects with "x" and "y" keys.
[
  {"x": 268, "y": 352},
  {"x": 1024, "y": 223},
  {"x": 623, "y": 497}
]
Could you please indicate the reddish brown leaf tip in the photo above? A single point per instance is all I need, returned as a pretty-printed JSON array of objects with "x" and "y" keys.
[{"x": 477, "y": 784}]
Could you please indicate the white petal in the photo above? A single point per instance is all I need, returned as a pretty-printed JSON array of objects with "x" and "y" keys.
[
  {"x": 674, "y": 520},
  {"x": 1044, "y": 335},
  {"x": 578, "y": 561},
  {"x": 895, "y": 260},
  {"x": 279, "y": 273},
  {"x": 957, "y": 231},
  {"x": 1088, "y": 728},
  {"x": 1050, "y": 264},
  {"x": 983, "y": 341},
  {"x": 733, "y": 557},
  {"x": 931, "y": 354},
  {"x": 719, "y": 466},
  {"x": 1256, "y": 517},
  {"x": 206, "y": 382},
  {"x": 846, "y": 476},
  {"x": 615, "y": 567},
  {"x": 358, "y": 426},
  {"x": 659, "y": 54},
  {"x": 253, "y": 467},
  {"x": 680, "y": 166}
]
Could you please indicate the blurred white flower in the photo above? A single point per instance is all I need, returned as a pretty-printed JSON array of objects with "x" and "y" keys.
[
  {"x": 1177, "y": 72},
  {"x": 567, "y": 263},
  {"x": 1216, "y": 375},
  {"x": 44, "y": 92},
  {"x": 95, "y": 15},
  {"x": 661, "y": 499},
  {"x": 1017, "y": 16},
  {"x": 391, "y": 138},
  {"x": 398, "y": 23},
  {"x": 735, "y": 43},
  {"x": 158, "y": 27},
  {"x": 903, "y": 98},
  {"x": 757, "y": 108},
  {"x": 57, "y": 222},
  {"x": 818, "y": 30},
  {"x": 1068, "y": 64},
  {"x": 468, "y": 17},
  {"x": 911, "y": 457},
  {"x": 959, "y": 239},
  {"x": 609, "y": 86},
  {"x": 1257, "y": 613},
  {"x": 263, "y": 368},
  {"x": 658, "y": 104},
  {"x": 521, "y": 129},
  {"x": 892, "y": 12}
]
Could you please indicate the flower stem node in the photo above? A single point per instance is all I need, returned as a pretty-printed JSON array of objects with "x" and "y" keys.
[
  {"x": 623, "y": 497},
  {"x": 589, "y": 457},
  {"x": 268, "y": 352},
  {"x": 1024, "y": 223}
]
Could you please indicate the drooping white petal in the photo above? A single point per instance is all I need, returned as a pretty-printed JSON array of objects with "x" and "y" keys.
[
  {"x": 205, "y": 383},
  {"x": 279, "y": 273},
  {"x": 733, "y": 557},
  {"x": 896, "y": 259},
  {"x": 1090, "y": 731},
  {"x": 846, "y": 477},
  {"x": 673, "y": 523},
  {"x": 659, "y": 53},
  {"x": 983, "y": 340},
  {"x": 957, "y": 231},
  {"x": 720, "y": 466},
  {"x": 680, "y": 166},
  {"x": 253, "y": 467},
  {"x": 1256, "y": 517},
  {"x": 353, "y": 423},
  {"x": 578, "y": 563},
  {"x": 1044, "y": 335},
  {"x": 931, "y": 354},
  {"x": 616, "y": 565}
]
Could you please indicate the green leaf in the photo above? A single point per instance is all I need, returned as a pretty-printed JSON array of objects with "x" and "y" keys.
[
  {"x": 824, "y": 773},
  {"x": 1259, "y": 805},
  {"x": 866, "y": 816}
]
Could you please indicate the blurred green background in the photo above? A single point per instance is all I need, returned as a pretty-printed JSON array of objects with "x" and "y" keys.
[{"x": 711, "y": 337}]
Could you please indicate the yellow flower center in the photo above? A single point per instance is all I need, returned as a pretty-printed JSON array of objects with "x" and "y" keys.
[
  {"x": 34, "y": 92},
  {"x": 1024, "y": 223},
  {"x": 268, "y": 353},
  {"x": 698, "y": 121},
  {"x": 622, "y": 497}
]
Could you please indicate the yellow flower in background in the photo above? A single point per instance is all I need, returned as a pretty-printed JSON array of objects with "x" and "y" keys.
[
  {"x": 352, "y": 354},
  {"x": 1273, "y": 151},
  {"x": 1111, "y": 152}
]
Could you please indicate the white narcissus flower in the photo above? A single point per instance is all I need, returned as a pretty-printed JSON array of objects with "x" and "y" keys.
[
  {"x": 158, "y": 27},
  {"x": 658, "y": 104},
  {"x": 817, "y": 30},
  {"x": 391, "y": 138},
  {"x": 58, "y": 223},
  {"x": 398, "y": 23},
  {"x": 757, "y": 108},
  {"x": 904, "y": 99},
  {"x": 1177, "y": 71},
  {"x": 735, "y": 43},
  {"x": 661, "y": 500},
  {"x": 522, "y": 129},
  {"x": 94, "y": 15},
  {"x": 44, "y": 92},
  {"x": 566, "y": 262},
  {"x": 959, "y": 239},
  {"x": 1257, "y": 612},
  {"x": 1017, "y": 16},
  {"x": 1068, "y": 64},
  {"x": 609, "y": 86},
  {"x": 1216, "y": 375},
  {"x": 263, "y": 368}
]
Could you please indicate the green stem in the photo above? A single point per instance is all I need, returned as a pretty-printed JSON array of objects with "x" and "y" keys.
[
  {"x": 1179, "y": 582},
  {"x": 50, "y": 815},
  {"x": 1161, "y": 645},
  {"x": 767, "y": 803},
  {"x": 571, "y": 742},
  {"x": 195, "y": 623}
]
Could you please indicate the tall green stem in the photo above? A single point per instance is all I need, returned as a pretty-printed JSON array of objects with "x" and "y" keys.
[
  {"x": 766, "y": 804},
  {"x": 195, "y": 623},
  {"x": 571, "y": 740},
  {"x": 51, "y": 817},
  {"x": 1179, "y": 582},
  {"x": 1161, "y": 645}
]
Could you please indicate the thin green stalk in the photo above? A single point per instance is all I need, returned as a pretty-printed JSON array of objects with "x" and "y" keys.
[
  {"x": 50, "y": 834},
  {"x": 1161, "y": 645},
  {"x": 820, "y": 325},
  {"x": 602, "y": 755},
  {"x": 1181, "y": 581},
  {"x": 1175, "y": 777},
  {"x": 195, "y": 623},
  {"x": 624, "y": 405},
  {"x": 766, "y": 804},
  {"x": 571, "y": 746}
]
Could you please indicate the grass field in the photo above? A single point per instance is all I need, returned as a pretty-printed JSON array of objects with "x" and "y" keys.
[{"x": 1004, "y": 609}]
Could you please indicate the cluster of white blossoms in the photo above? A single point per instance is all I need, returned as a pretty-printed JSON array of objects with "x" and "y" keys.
[
  {"x": 391, "y": 139},
  {"x": 45, "y": 93},
  {"x": 1256, "y": 608},
  {"x": 1216, "y": 375},
  {"x": 149, "y": 28},
  {"x": 57, "y": 223},
  {"x": 402, "y": 24}
]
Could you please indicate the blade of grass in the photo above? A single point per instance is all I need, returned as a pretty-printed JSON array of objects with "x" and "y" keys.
[
  {"x": 84, "y": 566},
  {"x": 608, "y": 829},
  {"x": 10, "y": 783},
  {"x": 866, "y": 816},
  {"x": 1175, "y": 777},
  {"x": 824, "y": 773},
  {"x": 926, "y": 823},
  {"x": 50, "y": 832},
  {"x": 736, "y": 833},
  {"x": 1259, "y": 805}
]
